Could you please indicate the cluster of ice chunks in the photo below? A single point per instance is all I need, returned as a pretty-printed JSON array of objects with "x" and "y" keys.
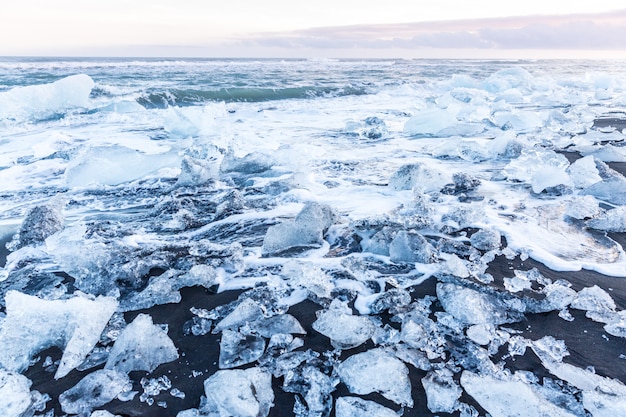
[{"x": 306, "y": 231}]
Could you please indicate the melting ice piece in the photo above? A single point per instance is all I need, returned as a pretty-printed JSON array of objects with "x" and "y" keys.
[
  {"x": 617, "y": 324},
  {"x": 410, "y": 246},
  {"x": 612, "y": 189},
  {"x": 584, "y": 172},
  {"x": 252, "y": 163},
  {"x": 601, "y": 404},
  {"x": 237, "y": 349},
  {"x": 15, "y": 395},
  {"x": 418, "y": 176},
  {"x": 610, "y": 220},
  {"x": 442, "y": 393},
  {"x": 316, "y": 388},
  {"x": 377, "y": 371},
  {"x": 94, "y": 390},
  {"x": 508, "y": 397},
  {"x": 594, "y": 300},
  {"x": 142, "y": 346},
  {"x": 40, "y": 223},
  {"x": 542, "y": 169},
  {"x": 356, "y": 407},
  {"x": 344, "y": 330},
  {"x": 246, "y": 311},
  {"x": 238, "y": 393},
  {"x": 582, "y": 207},
  {"x": 280, "y": 324},
  {"x": 33, "y": 324},
  {"x": 305, "y": 231},
  {"x": 486, "y": 239}
]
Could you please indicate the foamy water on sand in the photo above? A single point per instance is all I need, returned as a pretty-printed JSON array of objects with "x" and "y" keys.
[{"x": 387, "y": 196}]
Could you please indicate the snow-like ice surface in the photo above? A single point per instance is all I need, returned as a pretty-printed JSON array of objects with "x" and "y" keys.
[{"x": 379, "y": 191}]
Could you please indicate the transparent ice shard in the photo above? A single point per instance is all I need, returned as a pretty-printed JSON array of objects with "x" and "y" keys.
[
  {"x": 540, "y": 168},
  {"x": 280, "y": 324},
  {"x": 33, "y": 324},
  {"x": 344, "y": 329},
  {"x": 377, "y": 371},
  {"x": 357, "y": 407},
  {"x": 237, "y": 349},
  {"x": 246, "y": 311},
  {"x": 15, "y": 396},
  {"x": 442, "y": 392},
  {"x": 238, "y": 393},
  {"x": 410, "y": 246},
  {"x": 418, "y": 176},
  {"x": 252, "y": 163},
  {"x": 142, "y": 346},
  {"x": 314, "y": 386},
  {"x": 612, "y": 190},
  {"x": 584, "y": 172},
  {"x": 617, "y": 324},
  {"x": 372, "y": 128},
  {"x": 486, "y": 239},
  {"x": 507, "y": 396},
  {"x": 40, "y": 223},
  {"x": 596, "y": 302},
  {"x": 305, "y": 231},
  {"x": 94, "y": 390}
]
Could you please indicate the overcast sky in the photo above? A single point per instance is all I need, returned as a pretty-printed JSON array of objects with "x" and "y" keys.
[{"x": 320, "y": 28}]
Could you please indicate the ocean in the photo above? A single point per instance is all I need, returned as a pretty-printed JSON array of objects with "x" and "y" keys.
[{"x": 236, "y": 237}]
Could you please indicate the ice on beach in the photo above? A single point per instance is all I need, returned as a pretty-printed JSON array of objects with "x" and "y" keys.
[
  {"x": 357, "y": 407},
  {"x": 486, "y": 239},
  {"x": 33, "y": 324},
  {"x": 377, "y": 371},
  {"x": 142, "y": 346},
  {"x": 436, "y": 122},
  {"x": 94, "y": 390},
  {"x": 582, "y": 207},
  {"x": 305, "y": 231},
  {"x": 594, "y": 300},
  {"x": 280, "y": 324},
  {"x": 442, "y": 392},
  {"x": 418, "y": 176},
  {"x": 612, "y": 190},
  {"x": 410, "y": 246},
  {"x": 344, "y": 329},
  {"x": 38, "y": 102},
  {"x": 15, "y": 396},
  {"x": 238, "y": 393},
  {"x": 502, "y": 396},
  {"x": 246, "y": 311},
  {"x": 198, "y": 171},
  {"x": 237, "y": 349},
  {"x": 539, "y": 168},
  {"x": 371, "y": 128},
  {"x": 252, "y": 163},
  {"x": 584, "y": 172},
  {"x": 115, "y": 164},
  {"x": 40, "y": 223},
  {"x": 613, "y": 220},
  {"x": 314, "y": 386}
]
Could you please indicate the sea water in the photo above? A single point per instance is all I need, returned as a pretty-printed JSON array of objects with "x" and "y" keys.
[{"x": 128, "y": 179}]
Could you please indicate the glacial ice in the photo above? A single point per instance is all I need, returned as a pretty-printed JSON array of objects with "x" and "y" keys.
[
  {"x": 377, "y": 371},
  {"x": 612, "y": 190},
  {"x": 357, "y": 407},
  {"x": 142, "y": 346},
  {"x": 38, "y": 102},
  {"x": 419, "y": 176},
  {"x": 306, "y": 231},
  {"x": 238, "y": 349},
  {"x": 593, "y": 300},
  {"x": 371, "y": 128},
  {"x": 442, "y": 392},
  {"x": 33, "y": 324},
  {"x": 486, "y": 239},
  {"x": 238, "y": 393},
  {"x": 541, "y": 169},
  {"x": 613, "y": 220},
  {"x": 583, "y": 172},
  {"x": 582, "y": 207},
  {"x": 410, "y": 246},
  {"x": 40, "y": 223},
  {"x": 15, "y": 396},
  {"x": 314, "y": 386},
  {"x": 431, "y": 122},
  {"x": 344, "y": 329},
  {"x": 94, "y": 390}
]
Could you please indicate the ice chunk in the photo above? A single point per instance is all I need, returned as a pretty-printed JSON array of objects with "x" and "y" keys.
[
  {"x": 601, "y": 404},
  {"x": 344, "y": 330},
  {"x": 15, "y": 397},
  {"x": 39, "y": 102},
  {"x": 305, "y": 231},
  {"x": 486, "y": 239},
  {"x": 612, "y": 190},
  {"x": 473, "y": 307},
  {"x": 252, "y": 163},
  {"x": 357, "y": 407},
  {"x": 481, "y": 333},
  {"x": 508, "y": 396},
  {"x": 371, "y": 128},
  {"x": 584, "y": 172},
  {"x": 582, "y": 207},
  {"x": 617, "y": 324},
  {"x": 280, "y": 324},
  {"x": 418, "y": 176},
  {"x": 542, "y": 169},
  {"x": 431, "y": 122},
  {"x": 613, "y": 220},
  {"x": 316, "y": 388},
  {"x": 113, "y": 165},
  {"x": 246, "y": 311},
  {"x": 94, "y": 390},
  {"x": 593, "y": 299},
  {"x": 442, "y": 393},
  {"x": 238, "y": 393},
  {"x": 40, "y": 223},
  {"x": 237, "y": 349},
  {"x": 377, "y": 371},
  {"x": 33, "y": 324},
  {"x": 142, "y": 346},
  {"x": 410, "y": 246},
  {"x": 308, "y": 276}
]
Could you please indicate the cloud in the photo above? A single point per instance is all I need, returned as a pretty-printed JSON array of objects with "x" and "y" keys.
[{"x": 602, "y": 31}]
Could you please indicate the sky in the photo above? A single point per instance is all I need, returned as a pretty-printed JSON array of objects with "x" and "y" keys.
[{"x": 315, "y": 29}]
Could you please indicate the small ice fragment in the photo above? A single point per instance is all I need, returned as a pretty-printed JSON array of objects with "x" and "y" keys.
[
  {"x": 613, "y": 220},
  {"x": 418, "y": 176},
  {"x": 252, "y": 163},
  {"x": 40, "y": 223},
  {"x": 357, "y": 407},
  {"x": 582, "y": 207},
  {"x": 617, "y": 324},
  {"x": 344, "y": 330},
  {"x": 33, "y": 324},
  {"x": 94, "y": 390},
  {"x": 442, "y": 393},
  {"x": 237, "y": 349},
  {"x": 15, "y": 397},
  {"x": 142, "y": 346},
  {"x": 305, "y": 231},
  {"x": 481, "y": 333},
  {"x": 486, "y": 239},
  {"x": 238, "y": 393},
  {"x": 410, "y": 246},
  {"x": 602, "y": 404},
  {"x": 593, "y": 299},
  {"x": 246, "y": 311},
  {"x": 377, "y": 371},
  {"x": 176, "y": 393}
]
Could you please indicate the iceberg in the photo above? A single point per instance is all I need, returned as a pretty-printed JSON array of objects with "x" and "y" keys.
[
  {"x": 33, "y": 324},
  {"x": 142, "y": 346}
]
